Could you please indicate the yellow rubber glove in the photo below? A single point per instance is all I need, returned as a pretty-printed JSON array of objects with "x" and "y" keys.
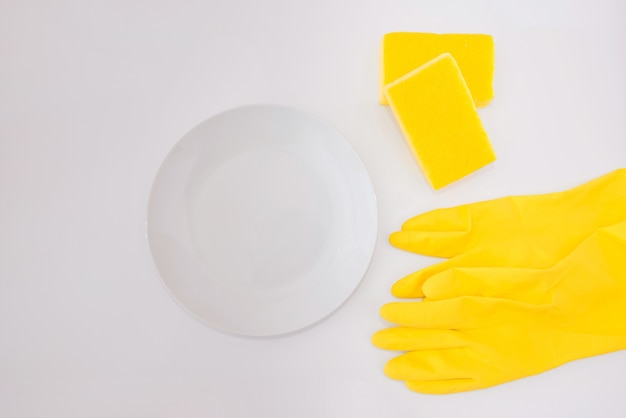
[
  {"x": 478, "y": 327},
  {"x": 515, "y": 231}
]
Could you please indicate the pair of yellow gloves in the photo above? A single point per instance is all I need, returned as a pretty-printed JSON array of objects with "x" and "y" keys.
[{"x": 531, "y": 282}]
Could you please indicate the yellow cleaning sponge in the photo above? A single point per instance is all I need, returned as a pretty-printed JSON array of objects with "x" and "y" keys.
[
  {"x": 435, "y": 110},
  {"x": 403, "y": 52}
]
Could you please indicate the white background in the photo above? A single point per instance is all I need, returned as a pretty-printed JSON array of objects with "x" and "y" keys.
[{"x": 93, "y": 94}]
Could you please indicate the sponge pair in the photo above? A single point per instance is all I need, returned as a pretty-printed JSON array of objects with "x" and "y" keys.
[{"x": 433, "y": 84}]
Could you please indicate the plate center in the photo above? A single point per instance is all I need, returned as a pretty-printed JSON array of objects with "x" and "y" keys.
[{"x": 260, "y": 219}]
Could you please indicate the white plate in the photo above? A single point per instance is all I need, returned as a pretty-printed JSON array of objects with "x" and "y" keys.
[{"x": 262, "y": 220}]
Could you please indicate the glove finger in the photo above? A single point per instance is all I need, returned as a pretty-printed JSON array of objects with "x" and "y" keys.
[
  {"x": 453, "y": 363},
  {"x": 442, "y": 387},
  {"x": 519, "y": 284},
  {"x": 437, "y": 244},
  {"x": 458, "y": 313},
  {"x": 455, "y": 218},
  {"x": 410, "y": 286},
  {"x": 410, "y": 339},
  {"x": 448, "y": 232}
]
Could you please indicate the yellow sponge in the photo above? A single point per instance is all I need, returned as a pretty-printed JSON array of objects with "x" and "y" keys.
[
  {"x": 435, "y": 110},
  {"x": 403, "y": 52}
]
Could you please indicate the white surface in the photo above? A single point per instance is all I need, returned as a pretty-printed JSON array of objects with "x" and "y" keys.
[
  {"x": 262, "y": 220},
  {"x": 93, "y": 94}
]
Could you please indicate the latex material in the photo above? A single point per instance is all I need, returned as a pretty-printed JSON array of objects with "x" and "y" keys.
[
  {"x": 519, "y": 294},
  {"x": 434, "y": 109},
  {"x": 481, "y": 326},
  {"x": 402, "y": 52},
  {"x": 518, "y": 231}
]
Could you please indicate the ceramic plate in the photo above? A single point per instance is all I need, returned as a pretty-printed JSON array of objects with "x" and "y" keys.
[{"x": 262, "y": 220}]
